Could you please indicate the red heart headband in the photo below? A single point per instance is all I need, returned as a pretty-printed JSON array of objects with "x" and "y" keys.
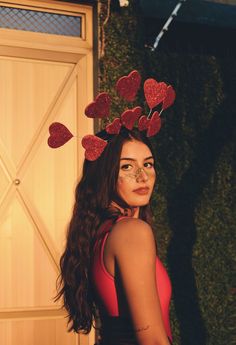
[{"x": 156, "y": 94}]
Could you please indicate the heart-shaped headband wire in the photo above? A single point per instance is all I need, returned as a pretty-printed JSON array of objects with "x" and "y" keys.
[{"x": 156, "y": 94}]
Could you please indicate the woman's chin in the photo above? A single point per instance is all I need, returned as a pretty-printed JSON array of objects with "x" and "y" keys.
[
  {"x": 140, "y": 203},
  {"x": 137, "y": 201}
]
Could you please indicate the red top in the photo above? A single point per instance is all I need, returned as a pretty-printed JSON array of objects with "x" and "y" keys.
[{"x": 105, "y": 283}]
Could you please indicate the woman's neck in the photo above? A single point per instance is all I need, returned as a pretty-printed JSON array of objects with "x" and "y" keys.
[{"x": 133, "y": 212}]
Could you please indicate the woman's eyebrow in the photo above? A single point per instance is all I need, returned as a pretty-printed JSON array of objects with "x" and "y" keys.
[
  {"x": 150, "y": 157},
  {"x": 127, "y": 159},
  {"x": 132, "y": 159}
]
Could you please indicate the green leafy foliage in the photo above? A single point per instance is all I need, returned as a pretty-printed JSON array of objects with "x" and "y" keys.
[{"x": 194, "y": 204}]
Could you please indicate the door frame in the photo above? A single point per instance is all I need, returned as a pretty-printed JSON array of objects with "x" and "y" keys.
[{"x": 77, "y": 50}]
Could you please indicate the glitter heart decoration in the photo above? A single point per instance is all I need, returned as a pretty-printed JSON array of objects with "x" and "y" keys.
[
  {"x": 114, "y": 127},
  {"x": 100, "y": 108},
  {"x": 127, "y": 86},
  {"x": 143, "y": 123},
  {"x": 154, "y": 125},
  {"x": 129, "y": 117},
  {"x": 59, "y": 135},
  {"x": 154, "y": 92},
  {"x": 94, "y": 146},
  {"x": 169, "y": 99}
]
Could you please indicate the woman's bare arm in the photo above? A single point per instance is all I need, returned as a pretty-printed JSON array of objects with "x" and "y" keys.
[{"x": 133, "y": 246}]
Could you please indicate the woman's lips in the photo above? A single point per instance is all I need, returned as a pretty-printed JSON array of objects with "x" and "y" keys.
[{"x": 141, "y": 191}]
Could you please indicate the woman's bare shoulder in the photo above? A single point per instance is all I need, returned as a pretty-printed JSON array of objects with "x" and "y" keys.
[
  {"x": 132, "y": 232},
  {"x": 130, "y": 225}
]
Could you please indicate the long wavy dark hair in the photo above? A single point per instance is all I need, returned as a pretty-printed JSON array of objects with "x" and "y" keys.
[{"x": 93, "y": 196}]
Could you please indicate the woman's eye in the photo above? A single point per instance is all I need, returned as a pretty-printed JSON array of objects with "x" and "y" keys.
[
  {"x": 148, "y": 165},
  {"x": 126, "y": 167}
]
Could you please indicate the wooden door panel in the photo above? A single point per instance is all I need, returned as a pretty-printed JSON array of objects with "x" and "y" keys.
[
  {"x": 27, "y": 273},
  {"x": 28, "y": 87},
  {"x": 50, "y": 176},
  {"x": 4, "y": 180},
  {"x": 43, "y": 78},
  {"x": 35, "y": 332},
  {"x": 37, "y": 185}
]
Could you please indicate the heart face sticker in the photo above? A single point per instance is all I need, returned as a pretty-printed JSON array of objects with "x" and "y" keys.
[
  {"x": 154, "y": 92},
  {"x": 114, "y": 127},
  {"x": 154, "y": 124},
  {"x": 127, "y": 86},
  {"x": 170, "y": 98},
  {"x": 143, "y": 123},
  {"x": 59, "y": 135},
  {"x": 94, "y": 146},
  {"x": 129, "y": 117},
  {"x": 100, "y": 108}
]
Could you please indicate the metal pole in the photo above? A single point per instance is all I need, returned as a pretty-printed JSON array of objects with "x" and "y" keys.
[{"x": 166, "y": 26}]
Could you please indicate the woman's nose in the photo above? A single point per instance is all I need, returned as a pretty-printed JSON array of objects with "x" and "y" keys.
[{"x": 141, "y": 175}]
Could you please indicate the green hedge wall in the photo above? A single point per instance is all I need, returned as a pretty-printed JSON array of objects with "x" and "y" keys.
[{"x": 194, "y": 206}]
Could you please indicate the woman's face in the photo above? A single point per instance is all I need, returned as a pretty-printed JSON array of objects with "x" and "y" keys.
[{"x": 137, "y": 174}]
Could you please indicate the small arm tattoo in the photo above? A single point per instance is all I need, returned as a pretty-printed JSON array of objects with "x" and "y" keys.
[{"x": 142, "y": 329}]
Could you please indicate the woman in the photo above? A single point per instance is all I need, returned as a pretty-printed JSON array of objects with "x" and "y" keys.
[{"x": 110, "y": 263}]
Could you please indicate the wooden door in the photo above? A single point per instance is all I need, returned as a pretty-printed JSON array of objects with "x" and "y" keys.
[{"x": 44, "y": 77}]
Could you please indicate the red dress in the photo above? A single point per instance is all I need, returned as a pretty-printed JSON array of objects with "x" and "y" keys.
[{"x": 105, "y": 285}]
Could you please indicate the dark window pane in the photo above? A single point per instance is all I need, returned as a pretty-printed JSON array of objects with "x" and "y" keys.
[{"x": 50, "y": 23}]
